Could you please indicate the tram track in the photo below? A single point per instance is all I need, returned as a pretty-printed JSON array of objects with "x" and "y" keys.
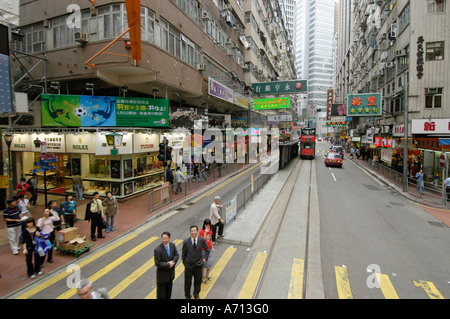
[{"x": 278, "y": 216}]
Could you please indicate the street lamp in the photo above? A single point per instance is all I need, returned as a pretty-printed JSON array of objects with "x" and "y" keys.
[
  {"x": 115, "y": 140},
  {"x": 8, "y": 140}
]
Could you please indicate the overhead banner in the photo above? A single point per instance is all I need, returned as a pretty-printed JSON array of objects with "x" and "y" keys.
[
  {"x": 272, "y": 104},
  {"x": 364, "y": 104},
  {"x": 282, "y": 87},
  {"x": 93, "y": 111}
]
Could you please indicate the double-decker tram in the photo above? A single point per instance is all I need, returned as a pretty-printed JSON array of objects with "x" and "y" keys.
[{"x": 308, "y": 142}]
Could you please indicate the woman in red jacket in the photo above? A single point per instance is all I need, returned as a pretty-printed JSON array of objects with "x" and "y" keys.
[{"x": 206, "y": 232}]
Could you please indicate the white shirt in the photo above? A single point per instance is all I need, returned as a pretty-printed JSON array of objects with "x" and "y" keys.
[
  {"x": 214, "y": 214},
  {"x": 23, "y": 205}
]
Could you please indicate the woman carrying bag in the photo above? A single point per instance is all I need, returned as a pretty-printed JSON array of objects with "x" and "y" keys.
[
  {"x": 29, "y": 240},
  {"x": 45, "y": 224},
  {"x": 111, "y": 210}
]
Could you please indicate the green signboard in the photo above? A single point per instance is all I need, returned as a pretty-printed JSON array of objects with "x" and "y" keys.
[
  {"x": 142, "y": 112},
  {"x": 282, "y": 87},
  {"x": 272, "y": 104},
  {"x": 93, "y": 111},
  {"x": 364, "y": 104}
]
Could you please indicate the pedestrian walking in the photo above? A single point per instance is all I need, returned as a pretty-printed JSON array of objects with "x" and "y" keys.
[
  {"x": 45, "y": 225},
  {"x": 94, "y": 213},
  {"x": 169, "y": 177},
  {"x": 447, "y": 187},
  {"x": 29, "y": 239},
  {"x": 69, "y": 209},
  {"x": 111, "y": 209},
  {"x": 420, "y": 182},
  {"x": 166, "y": 257},
  {"x": 77, "y": 182},
  {"x": 33, "y": 188},
  {"x": 216, "y": 220},
  {"x": 206, "y": 232},
  {"x": 202, "y": 171},
  {"x": 196, "y": 171},
  {"x": 12, "y": 217},
  {"x": 24, "y": 205},
  {"x": 86, "y": 291},
  {"x": 22, "y": 187},
  {"x": 193, "y": 260},
  {"x": 179, "y": 178}
]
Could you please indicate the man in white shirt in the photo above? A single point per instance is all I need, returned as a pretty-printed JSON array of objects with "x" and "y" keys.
[
  {"x": 179, "y": 178},
  {"x": 216, "y": 220}
]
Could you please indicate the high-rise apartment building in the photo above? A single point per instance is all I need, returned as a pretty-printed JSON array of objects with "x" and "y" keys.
[
  {"x": 398, "y": 48},
  {"x": 313, "y": 42}
]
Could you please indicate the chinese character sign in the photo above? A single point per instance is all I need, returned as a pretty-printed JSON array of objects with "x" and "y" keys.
[
  {"x": 365, "y": 104},
  {"x": 271, "y": 104},
  {"x": 282, "y": 87}
]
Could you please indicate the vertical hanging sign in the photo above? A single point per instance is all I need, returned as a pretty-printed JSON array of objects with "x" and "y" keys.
[{"x": 330, "y": 100}]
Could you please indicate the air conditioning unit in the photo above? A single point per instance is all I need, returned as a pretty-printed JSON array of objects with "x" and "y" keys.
[
  {"x": 80, "y": 37},
  {"x": 201, "y": 67},
  {"x": 260, "y": 71},
  {"x": 379, "y": 72},
  {"x": 389, "y": 65},
  {"x": 205, "y": 15}
]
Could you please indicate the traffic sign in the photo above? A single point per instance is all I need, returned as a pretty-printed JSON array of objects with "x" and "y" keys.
[{"x": 442, "y": 160}]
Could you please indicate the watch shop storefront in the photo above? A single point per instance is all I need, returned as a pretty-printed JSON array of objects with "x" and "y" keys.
[{"x": 134, "y": 169}]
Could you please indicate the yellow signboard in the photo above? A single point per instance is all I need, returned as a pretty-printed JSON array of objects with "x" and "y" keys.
[{"x": 4, "y": 181}]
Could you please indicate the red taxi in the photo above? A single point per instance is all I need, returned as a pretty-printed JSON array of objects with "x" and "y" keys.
[{"x": 333, "y": 159}]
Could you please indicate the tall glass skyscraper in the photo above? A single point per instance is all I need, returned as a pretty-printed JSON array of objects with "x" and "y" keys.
[{"x": 313, "y": 42}]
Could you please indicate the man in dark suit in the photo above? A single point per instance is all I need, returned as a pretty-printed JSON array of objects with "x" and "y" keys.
[
  {"x": 94, "y": 213},
  {"x": 193, "y": 261},
  {"x": 166, "y": 256}
]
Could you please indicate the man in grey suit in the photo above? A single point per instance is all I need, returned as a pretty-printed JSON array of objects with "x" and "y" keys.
[
  {"x": 193, "y": 261},
  {"x": 166, "y": 257}
]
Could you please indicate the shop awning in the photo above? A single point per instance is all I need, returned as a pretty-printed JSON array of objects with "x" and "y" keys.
[{"x": 444, "y": 141}]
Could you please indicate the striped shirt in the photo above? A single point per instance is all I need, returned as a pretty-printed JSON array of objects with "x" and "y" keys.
[{"x": 12, "y": 213}]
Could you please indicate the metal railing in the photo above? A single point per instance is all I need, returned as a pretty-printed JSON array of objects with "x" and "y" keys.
[
  {"x": 165, "y": 195},
  {"x": 432, "y": 193}
]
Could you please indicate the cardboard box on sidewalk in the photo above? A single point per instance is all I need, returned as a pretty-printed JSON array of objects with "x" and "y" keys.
[{"x": 66, "y": 234}]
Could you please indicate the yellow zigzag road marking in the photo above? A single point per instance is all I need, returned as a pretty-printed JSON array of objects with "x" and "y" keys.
[{"x": 110, "y": 267}]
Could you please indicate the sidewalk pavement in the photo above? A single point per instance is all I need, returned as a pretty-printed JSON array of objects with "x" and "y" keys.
[
  {"x": 429, "y": 203},
  {"x": 132, "y": 213}
]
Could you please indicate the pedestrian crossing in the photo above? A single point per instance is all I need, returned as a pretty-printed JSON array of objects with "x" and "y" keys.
[{"x": 135, "y": 276}]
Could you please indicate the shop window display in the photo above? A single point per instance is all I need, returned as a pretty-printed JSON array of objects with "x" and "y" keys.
[{"x": 122, "y": 175}]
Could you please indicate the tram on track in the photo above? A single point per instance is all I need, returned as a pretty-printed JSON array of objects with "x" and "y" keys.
[{"x": 308, "y": 143}]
